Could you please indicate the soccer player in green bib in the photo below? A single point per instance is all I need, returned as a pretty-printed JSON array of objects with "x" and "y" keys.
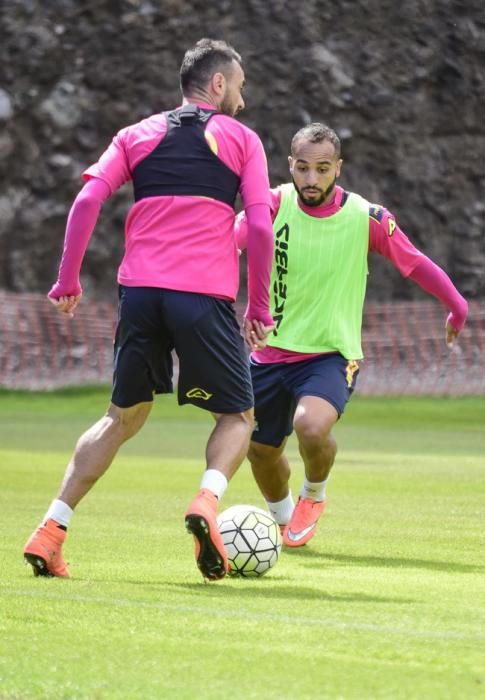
[{"x": 305, "y": 375}]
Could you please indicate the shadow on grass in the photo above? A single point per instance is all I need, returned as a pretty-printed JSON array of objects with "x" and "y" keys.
[
  {"x": 281, "y": 591},
  {"x": 272, "y": 588},
  {"x": 225, "y": 597},
  {"x": 386, "y": 562}
]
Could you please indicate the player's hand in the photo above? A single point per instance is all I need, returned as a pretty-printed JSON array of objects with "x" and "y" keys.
[
  {"x": 454, "y": 324},
  {"x": 256, "y": 334},
  {"x": 455, "y": 321},
  {"x": 451, "y": 334},
  {"x": 66, "y": 305}
]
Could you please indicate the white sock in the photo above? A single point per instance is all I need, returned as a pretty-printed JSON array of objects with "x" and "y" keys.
[
  {"x": 282, "y": 510},
  {"x": 314, "y": 489},
  {"x": 215, "y": 481},
  {"x": 60, "y": 512}
]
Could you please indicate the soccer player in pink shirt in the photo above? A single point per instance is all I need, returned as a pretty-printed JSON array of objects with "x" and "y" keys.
[
  {"x": 177, "y": 283},
  {"x": 307, "y": 371}
]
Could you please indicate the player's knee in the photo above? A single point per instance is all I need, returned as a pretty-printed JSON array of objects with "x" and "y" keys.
[
  {"x": 255, "y": 453},
  {"x": 245, "y": 419},
  {"x": 128, "y": 421},
  {"x": 248, "y": 418},
  {"x": 262, "y": 455},
  {"x": 311, "y": 432}
]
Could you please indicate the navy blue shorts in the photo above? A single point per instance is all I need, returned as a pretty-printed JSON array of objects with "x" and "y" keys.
[
  {"x": 203, "y": 331},
  {"x": 279, "y": 386}
]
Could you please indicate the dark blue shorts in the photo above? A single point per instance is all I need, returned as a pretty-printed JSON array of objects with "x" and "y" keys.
[
  {"x": 203, "y": 331},
  {"x": 279, "y": 386}
]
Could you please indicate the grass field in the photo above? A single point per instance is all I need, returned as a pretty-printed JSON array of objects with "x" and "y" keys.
[{"x": 387, "y": 601}]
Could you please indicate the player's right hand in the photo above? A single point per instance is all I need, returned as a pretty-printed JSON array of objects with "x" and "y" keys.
[
  {"x": 256, "y": 334},
  {"x": 66, "y": 305}
]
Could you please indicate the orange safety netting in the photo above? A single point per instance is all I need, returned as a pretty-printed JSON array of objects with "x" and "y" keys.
[{"x": 403, "y": 342}]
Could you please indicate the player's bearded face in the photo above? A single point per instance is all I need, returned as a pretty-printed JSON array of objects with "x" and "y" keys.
[
  {"x": 314, "y": 169},
  {"x": 229, "y": 105},
  {"x": 314, "y": 196}
]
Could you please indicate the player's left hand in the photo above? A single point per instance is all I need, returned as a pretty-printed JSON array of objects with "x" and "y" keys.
[
  {"x": 256, "y": 334},
  {"x": 455, "y": 321},
  {"x": 451, "y": 334}
]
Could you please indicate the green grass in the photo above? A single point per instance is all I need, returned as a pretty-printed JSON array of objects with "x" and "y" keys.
[{"x": 385, "y": 602}]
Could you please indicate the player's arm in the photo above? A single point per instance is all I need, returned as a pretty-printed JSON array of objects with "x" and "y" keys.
[
  {"x": 255, "y": 194},
  {"x": 103, "y": 178},
  {"x": 66, "y": 292},
  {"x": 387, "y": 239},
  {"x": 258, "y": 321},
  {"x": 432, "y": 279},
  {"x": 241, "y": 223}
]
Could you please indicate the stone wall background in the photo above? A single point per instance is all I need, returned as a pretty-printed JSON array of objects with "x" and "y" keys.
[{"x": 403, "y": 83}]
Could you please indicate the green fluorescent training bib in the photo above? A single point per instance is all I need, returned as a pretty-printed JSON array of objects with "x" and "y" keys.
[{"x": 319, "y": 277}]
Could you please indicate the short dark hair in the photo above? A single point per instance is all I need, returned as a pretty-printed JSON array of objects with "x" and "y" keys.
[
  {"x": 316, "y": 133},
  {"x": 200, "y": 62}
]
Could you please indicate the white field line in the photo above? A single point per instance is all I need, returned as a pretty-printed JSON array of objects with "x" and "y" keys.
[{"x": 323, "y": 622}]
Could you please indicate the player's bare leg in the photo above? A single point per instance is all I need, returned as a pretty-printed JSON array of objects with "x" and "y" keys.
[
  {"x": 94, "y": 452},
  {"x": 228, "y": 443},
  {"x": 313, "y": 421},
  {"x": 271, "y": 470},
  {"x": 97, "y": 447},
  {"x": 226, "y": 448}
]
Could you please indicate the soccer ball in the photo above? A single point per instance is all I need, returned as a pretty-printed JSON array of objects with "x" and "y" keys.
[{"x": 252, "y": 540}]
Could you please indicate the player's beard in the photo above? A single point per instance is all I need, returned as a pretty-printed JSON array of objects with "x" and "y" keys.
[
  {"x": 228, "y": 107},
  {"x": 319, "y": 200}
]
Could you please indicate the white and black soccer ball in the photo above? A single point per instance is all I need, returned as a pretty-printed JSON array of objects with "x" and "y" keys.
[{"x": 252, "y": 539}]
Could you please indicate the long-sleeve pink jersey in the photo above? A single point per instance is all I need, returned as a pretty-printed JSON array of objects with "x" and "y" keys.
[
  {"x": 386, "y": 239},
  {"x": 180, "y": 242}
]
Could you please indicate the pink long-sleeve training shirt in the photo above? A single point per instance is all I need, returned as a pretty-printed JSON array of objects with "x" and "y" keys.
[{"x": 184, "y": 243}]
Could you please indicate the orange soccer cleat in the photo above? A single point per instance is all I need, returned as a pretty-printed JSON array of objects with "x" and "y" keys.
[
  {"x": 43, "y": 550},
  {"x": 201, "y": 521},
  {"x": 303, "y": 522}
]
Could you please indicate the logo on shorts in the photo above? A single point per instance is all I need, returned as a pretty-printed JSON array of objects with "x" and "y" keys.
[
  {"x": 351, "y": 369},
  {"x": 197, "y": 393}
]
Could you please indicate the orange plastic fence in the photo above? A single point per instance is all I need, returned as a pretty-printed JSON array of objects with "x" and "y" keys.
[{"x": 403, "y": 343}]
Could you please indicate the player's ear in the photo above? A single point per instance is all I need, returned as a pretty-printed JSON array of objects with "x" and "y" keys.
[
  {"x": 290, "y": 164},
  {"x": 218, "y": 83},
  {"x": 339, "y": 167}
]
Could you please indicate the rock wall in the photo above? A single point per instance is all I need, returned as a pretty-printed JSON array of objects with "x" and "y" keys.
[{"x": 402, "y": 83}]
